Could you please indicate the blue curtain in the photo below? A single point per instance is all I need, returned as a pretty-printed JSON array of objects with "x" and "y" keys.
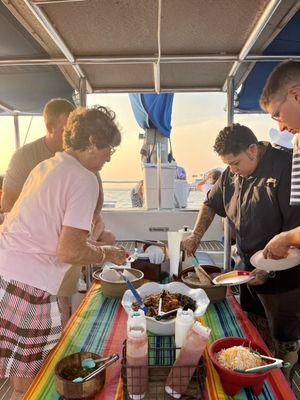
[
  {"x": 286, "y": 42},
  {"x": 153, "y": 111}
]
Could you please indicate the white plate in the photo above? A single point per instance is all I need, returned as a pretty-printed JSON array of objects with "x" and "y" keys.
[
  {"x": 233, "y": 278},
  {"x": 166, "y": 327},
  {"x": 267, "y": 264}
]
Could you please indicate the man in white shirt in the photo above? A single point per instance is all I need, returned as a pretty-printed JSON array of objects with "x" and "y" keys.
[{"x": 281, "y": 99}]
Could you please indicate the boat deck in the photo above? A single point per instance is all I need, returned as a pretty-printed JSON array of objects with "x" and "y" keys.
[{"x": 5, "y": 389}]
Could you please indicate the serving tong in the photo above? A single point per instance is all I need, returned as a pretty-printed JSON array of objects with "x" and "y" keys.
[
  {"x": 276, "y": 363},
  {"x": 91, "y": 362},
  {"x": 97, "y": 371},
  {"x": 161, "y": 314}
]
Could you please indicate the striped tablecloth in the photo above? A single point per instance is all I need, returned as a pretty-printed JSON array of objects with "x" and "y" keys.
[{"x": 99, "y": 325}]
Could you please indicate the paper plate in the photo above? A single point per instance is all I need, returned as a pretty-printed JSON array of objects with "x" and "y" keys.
[
  {"x": 233, "y": 278},
  {"x": 267, "y": 264}
]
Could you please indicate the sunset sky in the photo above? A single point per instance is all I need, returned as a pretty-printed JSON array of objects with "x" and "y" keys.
[{"x": 196, "y": 120}]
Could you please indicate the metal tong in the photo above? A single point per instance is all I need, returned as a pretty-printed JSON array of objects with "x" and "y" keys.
[
  {"x": 160, "y": 314},
  {"x": 277, "y": 363},
  {"x": 97, "y": 371},
  {"x": 166, "y": 314}
]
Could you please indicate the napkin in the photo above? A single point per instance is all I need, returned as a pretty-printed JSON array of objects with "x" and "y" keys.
[{"x": 156, "y": 254}]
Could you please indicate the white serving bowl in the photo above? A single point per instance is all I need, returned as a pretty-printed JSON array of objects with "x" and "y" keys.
[{"x": 167, "y": 327}]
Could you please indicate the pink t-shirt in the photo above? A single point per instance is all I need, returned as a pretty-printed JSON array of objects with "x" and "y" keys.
[{"x": 59, "y": 191}]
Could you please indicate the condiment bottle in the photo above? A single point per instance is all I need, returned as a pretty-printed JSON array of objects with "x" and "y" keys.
[
  {"x": 137, "y": 355},
  {"x": 183, "y": 322},
  {"x": 183, "y": 369}
]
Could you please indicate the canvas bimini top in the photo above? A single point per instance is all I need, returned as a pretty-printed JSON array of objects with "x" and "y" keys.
[
  {"x": 134, "y": 46},
  {"x": 26, "y": 88}
]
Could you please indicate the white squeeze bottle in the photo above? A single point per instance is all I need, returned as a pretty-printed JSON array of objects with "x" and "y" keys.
[
  {"x": 191, "y": 351},
  {"x": 183, "y": 322},
  {"x": 137, "y": 355}
]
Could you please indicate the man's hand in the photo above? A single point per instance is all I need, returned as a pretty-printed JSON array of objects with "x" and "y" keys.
[
  {"x": 278, "y": 247},
  {"x": 190, "y": 244},
  {"x": 114, "y": 254},
  {"x": 260, "y": 277}
]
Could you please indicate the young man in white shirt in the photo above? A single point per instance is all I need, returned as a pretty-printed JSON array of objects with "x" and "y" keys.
[{"x": 281, "y": 99}]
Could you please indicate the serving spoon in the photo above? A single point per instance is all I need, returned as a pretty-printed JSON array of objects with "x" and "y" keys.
[
  {"x": 134, "y": 292},
  {"x": 198, "y": 269}
]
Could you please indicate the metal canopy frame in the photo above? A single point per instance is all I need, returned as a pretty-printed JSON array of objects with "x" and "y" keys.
[
  {"x": 57, "y": 39},
  {"x": 35, "y": 6},
  {"x": 267, "y": 14}
]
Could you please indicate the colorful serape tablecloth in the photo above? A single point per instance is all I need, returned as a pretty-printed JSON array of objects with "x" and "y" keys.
[{"x": 99, "y": 325}]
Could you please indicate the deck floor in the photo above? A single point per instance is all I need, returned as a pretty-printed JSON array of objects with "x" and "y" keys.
[
  {"x": 296, "y": 382},
  {"x": 5, "y": 389}
]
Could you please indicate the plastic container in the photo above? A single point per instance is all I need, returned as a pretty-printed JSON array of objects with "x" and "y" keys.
[
  {"x": 188, "y": 359},
  {"x": 183, "y": 322},
  {"x": 166, "y": 185},
  {"x": 137, "y": 355}
]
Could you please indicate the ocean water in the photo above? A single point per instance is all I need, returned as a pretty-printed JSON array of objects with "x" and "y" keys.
[{"x": 120, "y": 198}]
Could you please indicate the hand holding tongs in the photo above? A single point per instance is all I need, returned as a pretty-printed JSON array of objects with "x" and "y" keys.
[{"x": 97, "y": 371}]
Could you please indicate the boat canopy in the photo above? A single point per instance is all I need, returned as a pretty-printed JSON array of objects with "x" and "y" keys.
[
  {"x": 285, "y": 43},
  {"x": 136, "y": 46},
  {"x": 26, "y": 88}
]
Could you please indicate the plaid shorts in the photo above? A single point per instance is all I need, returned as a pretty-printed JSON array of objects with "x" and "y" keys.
[{"x": 30, "y": 326}]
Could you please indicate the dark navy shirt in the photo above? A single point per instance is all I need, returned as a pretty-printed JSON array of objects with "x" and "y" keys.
[{"x": 258, "y": 208}]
